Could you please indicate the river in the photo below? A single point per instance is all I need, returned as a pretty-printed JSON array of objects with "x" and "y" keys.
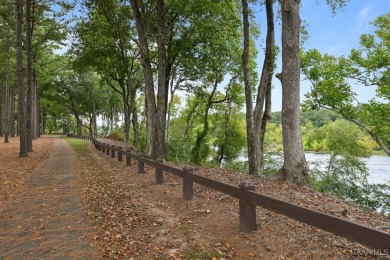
[{"x": 378, "y": 166}]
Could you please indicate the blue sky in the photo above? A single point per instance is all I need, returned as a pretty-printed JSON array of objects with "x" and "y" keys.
[{"x": 332, "y": 34}]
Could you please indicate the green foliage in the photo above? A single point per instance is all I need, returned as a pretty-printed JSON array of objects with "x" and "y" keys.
[
  {"x": 230, "y": 136},
  {"x": 238, "y": 166},
  {"x": 115, "y": 135},
  {"x": 273, "y": 141},
  {"x": 348, "y": 180},
  {"x": 224, "y": 140},
  {"x": 346, "y": 175},
  {"x": 368, "y": 65},
  {"x": 273, "y": 162},
  {"x": 339, "y": 138},
  {"x": 335, "y": 5},
  {"x": 318, "y": 117}
]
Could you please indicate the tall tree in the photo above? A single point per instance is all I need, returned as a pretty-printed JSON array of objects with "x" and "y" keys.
[
  {"x": 45, "y": 30},
  {"x": 7, "y": 89},
  {"x": 29, "y": 76},
  {"x": 256, "y": 118},
  {"x": 162, "y": 93},
  {"x": 151, "y": 108},
  {"x": 21, "y": 88},
  {"x": 114, "y": 56},
  {"x": 295, "y": 167},
  {"x": 8, "y": 36}
]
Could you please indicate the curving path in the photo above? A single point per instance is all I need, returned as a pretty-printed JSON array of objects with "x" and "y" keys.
[{"x": 46, "y": 220}]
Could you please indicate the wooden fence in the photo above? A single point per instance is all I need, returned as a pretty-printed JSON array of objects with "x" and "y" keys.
[{"x": 249, "y": 199}]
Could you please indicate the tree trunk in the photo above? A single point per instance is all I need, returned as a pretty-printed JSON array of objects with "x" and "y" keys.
[
  {"x": 196, "y": 150},
  {"x": 42, "y": 120},
  {"x": 162, "y": 82},
  {"x": 266, "y": 117},
  {"x": 7, "y": 90},
  {"x": 94, "y": 124},
  {"x": 2, "y": 109},
  {"x": 134, "y": 119},
  {"x": 29, "y": 76},
  {"x": 250, "y": 131},
  {"x": 79, "y": 128},
  {"x": 126, "y": 108},
  {"x": 169, "y": 112},
  {"x": 264, "y": 89},
  {"x": 148, "y": 76},
  {"x": 254, "y": 117},
  {"x": 12, "y": 119},
  {"x": 295, "y": 168},
  {"x": 20, "y": 75},
  {"x": 34, "y": 108}
]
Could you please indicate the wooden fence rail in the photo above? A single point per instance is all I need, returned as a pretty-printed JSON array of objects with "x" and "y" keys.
[{"x": 249, "y": 199}]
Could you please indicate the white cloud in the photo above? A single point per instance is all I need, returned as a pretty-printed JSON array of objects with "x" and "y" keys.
[{"x": 362, "y": 15}]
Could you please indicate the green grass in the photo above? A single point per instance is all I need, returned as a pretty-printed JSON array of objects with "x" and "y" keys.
[
  {"x": 78, "y": 145},
  {"x": 380, "y": 152}
]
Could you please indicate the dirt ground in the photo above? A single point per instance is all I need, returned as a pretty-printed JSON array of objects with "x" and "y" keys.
[
  {"x": 111, "y": 212},
  {"x": 41, "y": 215}
]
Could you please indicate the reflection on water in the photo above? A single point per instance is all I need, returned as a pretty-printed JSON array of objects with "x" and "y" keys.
[{"x": 378, "y": 166}]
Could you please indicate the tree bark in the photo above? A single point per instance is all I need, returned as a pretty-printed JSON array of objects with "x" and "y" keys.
[
  {"x": 126, "y": 108},
  {"x": 7, "y": 90},
  {"x": 21, "y": 96},
  {"x": 266, "y": 117},
  {"x": 162, "y": 82},
  {"x": 2, "y": 109},
  {"x": 29, "y": 76},
  {"x": 250, "y": 131},
  {"x": 169, "y": 109},
  {"x": 40, "y": 119},
  {"x": 12, "y": 126},
  {"x": 93, "y": 118},
  {"x": 149, "y": 86},
  {"x": 34, "y": 108},
  {"x": 256, "y": 121},
  {"x": 295, "y": 168},
  {"x": 134, "y": 118}
]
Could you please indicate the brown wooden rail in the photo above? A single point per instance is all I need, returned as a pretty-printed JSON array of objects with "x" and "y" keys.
[{"x": 249, "y": 199}]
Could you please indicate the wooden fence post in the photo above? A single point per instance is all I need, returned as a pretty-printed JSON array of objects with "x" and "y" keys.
[
  {"x": 141, "y": 165},
  {"x": 128, "y": 157},
  {"x": 107, "y": 149},
  {"x": 159, "y": 172},
  {"x": 112, "y": 151},
  {"x": 99, "y": 145},
  {"x": 103, "y": 147},
  {"x": 120, "y": 153},
  {"x": 188, "y": 184},
  {"x": 247, "y": 210}
]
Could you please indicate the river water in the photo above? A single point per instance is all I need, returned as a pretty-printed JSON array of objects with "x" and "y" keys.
[{"x": 378, "y": 166}]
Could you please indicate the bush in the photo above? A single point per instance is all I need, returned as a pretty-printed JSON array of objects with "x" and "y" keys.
[
  {"x": 347, "y": 179},
  {"x": 116, "y": 136}
]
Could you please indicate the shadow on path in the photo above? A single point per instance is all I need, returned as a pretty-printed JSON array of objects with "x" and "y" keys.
[{"x": 45, "y": 219}]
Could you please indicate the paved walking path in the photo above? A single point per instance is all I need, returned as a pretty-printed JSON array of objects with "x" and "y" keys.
[{"x": 45, "y": 219}]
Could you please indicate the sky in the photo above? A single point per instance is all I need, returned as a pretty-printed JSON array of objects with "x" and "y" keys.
[{"x": 333, "y": 34}]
